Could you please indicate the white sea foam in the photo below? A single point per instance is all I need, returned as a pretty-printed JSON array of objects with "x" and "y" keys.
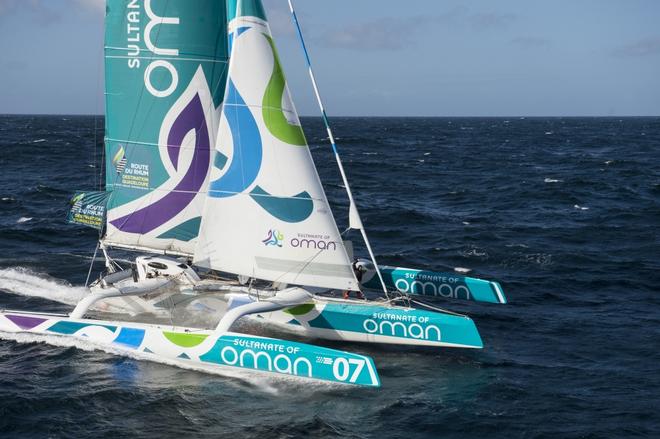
[
  {"x": 24, "y": 219},
  {"x": 473, "y": 251},
  {"x": 577, "y": 206},
  {"x": 7, "y": 199},
  {"x": 38, "y": 140},
  {"x": 462, "y": 270},
  {"x": 552, "y": 180},
  {"x": 24, "y": 282}
]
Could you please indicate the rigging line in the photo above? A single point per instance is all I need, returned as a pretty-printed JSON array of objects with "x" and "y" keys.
[
  {"x": 352, "y": 206},
  {"x": 94, "y": 146},
  {"x": 434, "y": 308},
  {"x": 304, "y": 263},
  {"x": 99, "y": 63},
  {"x": 89, "y": 273}
]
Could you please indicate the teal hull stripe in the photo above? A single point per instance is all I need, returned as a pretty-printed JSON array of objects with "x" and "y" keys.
[
  {"x": 436, "y": 284},
  {"x": 291, "y": 358},
  {"x": 68, "y": 328},
  {"x": 408, "y": 324}
]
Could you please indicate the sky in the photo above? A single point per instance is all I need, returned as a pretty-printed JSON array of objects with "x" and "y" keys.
[{"x": 383, "y": 57}]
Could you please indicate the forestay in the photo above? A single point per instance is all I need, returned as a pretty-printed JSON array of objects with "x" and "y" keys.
[
  {"x": 165, "y": 69},
  {"x": 266, "y": 215}
]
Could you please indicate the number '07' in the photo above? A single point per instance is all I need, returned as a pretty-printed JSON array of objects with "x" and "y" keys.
[{"x": 341, "y": 368}]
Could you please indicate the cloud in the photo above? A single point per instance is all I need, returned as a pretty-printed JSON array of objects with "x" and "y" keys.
[
  {"x": 279, "y": 18},
  {"x": 530, "y": 42},
  {"x": 396, "y": 33},
  {"x": 7, "y": 6},
  {"x": 381, "y": 34},
  {"x": 39, "y": 10},
  {"x": 92, "y": 5},
  {"x": 387, "y": 33},
  {"x": 644, "y": 47},
  {"x": 491, "y": 20},
  {"x": 43, "y": 12}
]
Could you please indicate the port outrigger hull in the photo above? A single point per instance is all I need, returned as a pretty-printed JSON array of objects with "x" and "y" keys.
[{"x": 204, "y": 348}]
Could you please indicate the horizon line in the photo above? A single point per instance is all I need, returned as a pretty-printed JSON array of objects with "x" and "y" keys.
[{"x": 394, "y": 117}]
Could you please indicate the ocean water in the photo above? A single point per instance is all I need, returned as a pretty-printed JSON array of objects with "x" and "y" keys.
[{"x": 564, "y": 212}]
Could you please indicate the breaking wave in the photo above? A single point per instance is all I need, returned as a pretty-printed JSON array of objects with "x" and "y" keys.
[{"x": 24, "y": 282}]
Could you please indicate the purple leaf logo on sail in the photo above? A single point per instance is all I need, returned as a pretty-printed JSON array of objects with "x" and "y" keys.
[{"x": 187, "y": 176}]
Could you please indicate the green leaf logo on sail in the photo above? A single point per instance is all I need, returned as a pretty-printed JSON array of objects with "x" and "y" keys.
[
  {"x": 274, "y": 117},
  {"x": 119, "y": 160},
  {"x": 247, "y": 140}
]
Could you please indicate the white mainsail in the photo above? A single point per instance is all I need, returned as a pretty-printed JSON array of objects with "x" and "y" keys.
[{"x": 266, "y": 214}]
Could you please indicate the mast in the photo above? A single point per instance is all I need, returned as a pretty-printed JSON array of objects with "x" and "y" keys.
[{"x": 354, "y": 220}]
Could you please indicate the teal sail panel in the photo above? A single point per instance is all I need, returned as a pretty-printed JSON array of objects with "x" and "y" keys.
[
  {"x": 88, "y": 209},
  {"x": 165, "y": 74}
]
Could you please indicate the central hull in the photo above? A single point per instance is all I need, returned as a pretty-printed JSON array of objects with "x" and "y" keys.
[{"x": 372, "y": 322}]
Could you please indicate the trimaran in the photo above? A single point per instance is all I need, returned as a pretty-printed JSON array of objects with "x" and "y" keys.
[{"x": 209, "y": 177}]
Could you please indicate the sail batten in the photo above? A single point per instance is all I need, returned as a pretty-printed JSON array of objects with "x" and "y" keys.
[{"x": 266, "y": 213}]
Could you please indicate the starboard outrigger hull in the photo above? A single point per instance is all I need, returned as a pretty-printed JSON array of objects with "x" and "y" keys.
[
  {"x": 370, "y": 322},
  {"x": 204, "y": 348},
  {"x": 435, "y": 284}
]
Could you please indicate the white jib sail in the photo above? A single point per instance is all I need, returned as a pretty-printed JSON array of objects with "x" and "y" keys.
[{"x": 266, "y": 214}]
